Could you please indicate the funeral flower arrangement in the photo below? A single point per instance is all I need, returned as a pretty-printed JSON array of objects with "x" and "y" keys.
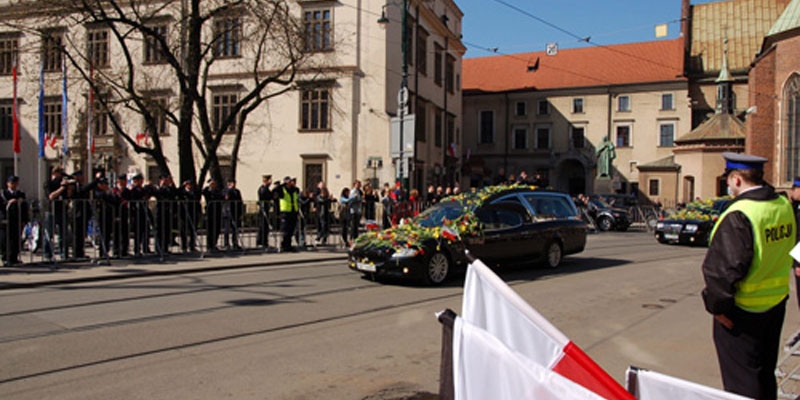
[
  {"x": 413, "y": 232},
  {"x": 699, "y": 210}
]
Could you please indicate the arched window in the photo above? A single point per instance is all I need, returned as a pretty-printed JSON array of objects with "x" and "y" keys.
[{"x": 791, "y": 130}]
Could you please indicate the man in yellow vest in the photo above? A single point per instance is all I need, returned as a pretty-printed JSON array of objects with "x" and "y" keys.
[
  {"x": 747, "y": 272},
  {"x": 289, "y": 206}
]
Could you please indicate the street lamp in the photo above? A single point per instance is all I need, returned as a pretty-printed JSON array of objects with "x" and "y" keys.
[{"x": 402, "y": 96}]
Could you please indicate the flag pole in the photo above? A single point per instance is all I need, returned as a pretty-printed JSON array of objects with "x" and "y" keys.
[
  {"x": 41, "y": 131},
  {"x": 15, "y": 117},
  {"x": 64, "y": 109},
  {"x": 89, "y": 131}
]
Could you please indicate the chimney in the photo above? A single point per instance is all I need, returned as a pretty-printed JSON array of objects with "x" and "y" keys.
[{"x": 686, "y": 8}]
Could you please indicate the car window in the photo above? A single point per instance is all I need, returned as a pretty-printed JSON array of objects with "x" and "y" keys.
[
  {"x": 436, "y": 215},
  {"x": 511, "y": 198},
  {"x": 498, "y": 218},
  {"x": 548, "y": 207}
]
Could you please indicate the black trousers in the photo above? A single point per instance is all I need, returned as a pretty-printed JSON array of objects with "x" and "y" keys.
[
  {"x": 748, "y": 353},
  {"x": 288, "y": 225}
]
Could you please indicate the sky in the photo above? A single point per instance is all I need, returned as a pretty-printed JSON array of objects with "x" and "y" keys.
[{"x": 519, "y": 26}]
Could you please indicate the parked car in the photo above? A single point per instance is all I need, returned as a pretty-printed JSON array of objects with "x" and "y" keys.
[
  {"x": 607, "y": 217},
  {"x": 498, "y": 224},
  {"x": 692, "y": 225}
]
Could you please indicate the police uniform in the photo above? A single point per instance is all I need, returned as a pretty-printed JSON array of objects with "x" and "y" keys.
[
  {"x": 264, "y": 200},
  {"x": 746, "y": 272},
  {"x": 289, "y": 206},
  {"x": 14, "y": 216}
]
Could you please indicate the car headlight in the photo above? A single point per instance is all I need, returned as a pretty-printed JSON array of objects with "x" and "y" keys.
[
  {"x": 659, "y": 225},
  {"x": 691, "y": 228},
  {"x": 405, "y": 252}
]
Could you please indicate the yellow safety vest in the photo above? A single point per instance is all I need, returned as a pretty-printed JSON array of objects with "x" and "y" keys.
[
  {"x": 774, "y": 231},
  {"x": 288, "y": 203}
]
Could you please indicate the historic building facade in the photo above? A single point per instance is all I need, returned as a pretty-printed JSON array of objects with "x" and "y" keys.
[{"x": 333, "y": 125}]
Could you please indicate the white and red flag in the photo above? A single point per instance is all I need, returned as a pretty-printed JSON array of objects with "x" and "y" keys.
[
  {"x": 650, "y": 385},
  {"x": 490, "y": 304},
  {"x": 449, "y": 233}
]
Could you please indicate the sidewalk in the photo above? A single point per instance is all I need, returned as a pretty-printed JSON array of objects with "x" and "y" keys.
[{"x": 35, "y": 275}]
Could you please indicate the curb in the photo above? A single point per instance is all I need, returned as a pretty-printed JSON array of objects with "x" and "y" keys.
[{"x": 141, "y": 273}]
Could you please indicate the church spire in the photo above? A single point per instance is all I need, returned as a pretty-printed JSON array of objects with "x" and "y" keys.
[{"x": 725, "y": 84}]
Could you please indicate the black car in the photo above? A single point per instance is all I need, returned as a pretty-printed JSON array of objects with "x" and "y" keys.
[
  {"x": 692, "y": 225},
  {"x": 607, "y": 217},
  {"x": 498, "y": 224}
]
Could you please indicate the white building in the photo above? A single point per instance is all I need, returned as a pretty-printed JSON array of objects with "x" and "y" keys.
[{"x": 336, "y": 129}]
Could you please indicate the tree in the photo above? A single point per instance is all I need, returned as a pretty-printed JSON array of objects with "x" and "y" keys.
[{"x": 225, "y": 58}]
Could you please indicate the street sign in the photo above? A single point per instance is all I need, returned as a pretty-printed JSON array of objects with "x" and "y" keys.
[{"x": 408, "y": 136}]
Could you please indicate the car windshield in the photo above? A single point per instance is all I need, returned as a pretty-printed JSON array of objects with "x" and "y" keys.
[
  {"x": 599, "y": 203},
  {"x": 434, "y": 216}
]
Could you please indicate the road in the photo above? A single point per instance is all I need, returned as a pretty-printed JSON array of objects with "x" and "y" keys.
[{"x": 313, "y": 331}]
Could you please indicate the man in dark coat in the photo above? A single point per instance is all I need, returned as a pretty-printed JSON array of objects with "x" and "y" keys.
[
  {"x": 140, "y": 218},
  {"x": 746, "y": 271},
  {"x": 213, "y": 196},
  {"x": 233, "y": 213},
  {"x": 288, "y": 204},
  {"x": 14, "y": 216},
  {"x": 264, "y": 203},
  {"x": 55, "y": 219},
  {"x": 190, "y": 215},
  {"x": 166, "y": 212},
  {"x": 122, "y": 217}
]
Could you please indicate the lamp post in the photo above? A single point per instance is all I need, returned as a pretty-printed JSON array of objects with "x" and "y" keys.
[{"x": 402, "y": 97}]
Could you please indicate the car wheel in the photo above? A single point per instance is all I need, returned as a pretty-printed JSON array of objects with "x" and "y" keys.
[
  {"x": 604, "y": 224},
  {"x": 437, "y": 269},
  {"x": 554, "y": 255}
]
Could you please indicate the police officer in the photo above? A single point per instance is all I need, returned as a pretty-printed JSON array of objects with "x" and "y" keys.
[
  {"x": 232, "y": 214},
  {"x": 746, "y": 272},
  {"x": 14, "y": 213},
  {"x": 213, "y": 196},
  {"x": 137, "y": 202},
  {"x": 264, "y": 200},
  {"x": 289, "y": 206},
  {"x": 122, "y": 218},
  {"x": 190, "y": 215}
]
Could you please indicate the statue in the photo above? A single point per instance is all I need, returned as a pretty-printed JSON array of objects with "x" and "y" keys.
[{"x": 605, "y": 155}]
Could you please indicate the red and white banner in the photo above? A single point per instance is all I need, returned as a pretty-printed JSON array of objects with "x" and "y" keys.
[
  {"x": 649, "y": 385},
  {"x": 484, "y": 368},
  {"x": 491, "y": 305}
]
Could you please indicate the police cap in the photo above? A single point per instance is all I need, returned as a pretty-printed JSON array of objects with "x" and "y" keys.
[
  {"x": 266, "y": 176},
  {"x": 796, "y": 182},
  {"x": 102, "y": 181},
  {"x": 122, "y": 177},
  {"x": 137, "y": 176},
  {"x": 743, "y": 161},
  {"x": 12, "y": 179},
  {"x": 287, "y": 178}
]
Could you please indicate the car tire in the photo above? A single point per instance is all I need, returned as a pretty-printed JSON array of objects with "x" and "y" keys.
[
  {"x": 605, "y": 224},
  {"x": 437, "y": 268},
  {"x": 554, "y": 255}
]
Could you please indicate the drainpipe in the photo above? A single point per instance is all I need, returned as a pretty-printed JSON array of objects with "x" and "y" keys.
[{"x": 505, "y": 134}]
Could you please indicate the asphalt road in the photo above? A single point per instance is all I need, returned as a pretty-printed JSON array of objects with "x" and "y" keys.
[{"x": 317, "y": 330}]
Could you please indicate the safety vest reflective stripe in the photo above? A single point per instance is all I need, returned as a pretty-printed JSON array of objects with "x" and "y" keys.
[{"x": 288, "y": 203}]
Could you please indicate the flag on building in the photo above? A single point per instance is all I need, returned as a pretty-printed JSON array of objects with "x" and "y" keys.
[
  {"x": 490, "y": 304},
  {"x": 64, "y": 104},
  {"x": 649, "y": 385},
  {"x": 15, "y": 110},
  {"x": 451, "y": 149},
  {"x": 42, "y": 138}
]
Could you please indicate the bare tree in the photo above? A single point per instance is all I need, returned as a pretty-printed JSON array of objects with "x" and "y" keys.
[{"x": 252, "y": 50}]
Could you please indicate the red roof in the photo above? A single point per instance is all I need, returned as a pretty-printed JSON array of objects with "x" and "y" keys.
[{"x": 633, "y": 63}]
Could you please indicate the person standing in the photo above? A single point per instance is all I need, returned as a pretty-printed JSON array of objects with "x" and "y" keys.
[
  {"x": 344, "y": 215},
  {"x": 264, "y": 202},
  {"x": 324, "y": 201},
  {"x": 190, "y": 215},
  {"x": 105, "y": 205},
  {"x": 370, "y": 201},
  {"x": 386, "y": 206},
  {"x": 122, "y": 220},
  {"x": 795, "y": 195},
  {"x": 233, "y": 213},
  {"x": 289, "y": 206},
  {"x": 746, "y": 273},
  {"x": 55, "y": 219},
  {"x": 14, "y": 215},
  {"x": 137, "y": 202},
  {"x": 166, "y": 206},
  {"x": 213, "y": 196},
  {"x": 356, "y": 206}
]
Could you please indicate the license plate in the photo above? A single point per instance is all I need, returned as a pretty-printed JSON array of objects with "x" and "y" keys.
[
  {"x": 671, "y": 236},
  {"x": 365, "y": 267}
]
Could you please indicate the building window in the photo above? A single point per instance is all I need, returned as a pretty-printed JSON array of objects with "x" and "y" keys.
[
  {"x": 153, "y": 50},
  {"x": 52, "y": 117},
  {"x": 578, "y": 137},
  {"x": 51, "y": 51},
  {"x": 221, "y": 107},
  {"x": 521, "y": 109},
  {"x": 653, "y": 188},
  {"x": 6, "y": 120},
  {"x": 666, "y": 136},
  {"x": 791, "y": 132},
  {"x": 520, "y": 138},
  {"x": 623, "y": 136},
  {"x": 421, "y": 121},
  {"x": 438, "y": 129},
  {"x": 318, "y": 30},
  {"x": 100, "y": 114},
  {"x": 577, "y": 106},
  {"x": 438, "y": 64},
  {"x": 9, "y": 51},
  {"x": 544, "y": 107},
  {"x": 449, "y": 73},
  {"x": 227, "y": 37},
  {"x": 422, "y": 52},
  {"x": 542, "y": 138},
  {"x": 667, "y": 102},
  {"x": 486, "y": 124},
  {"x": 315, "y": 109},
  {"x": 97, "y": 42},
  {"x": 623, "y": 103},
  {"x": 158, "y": 106}
]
